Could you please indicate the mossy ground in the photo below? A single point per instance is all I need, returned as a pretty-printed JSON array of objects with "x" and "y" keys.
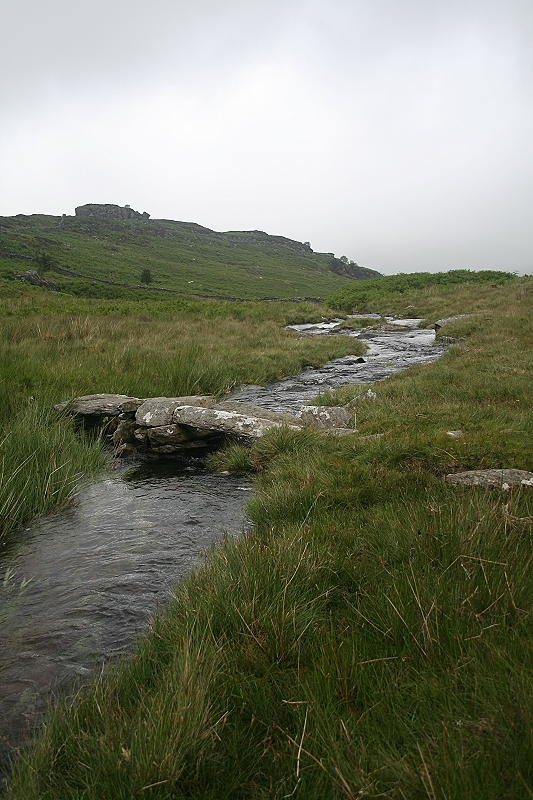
[{"x": 369, "y": 637}]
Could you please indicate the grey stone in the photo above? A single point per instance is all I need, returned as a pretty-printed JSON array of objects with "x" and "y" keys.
[
  {"x": 450, "y": 339},
  {"x": 499, "y": 478},
  {"x": 339, "y": 431},
  {"x": 125, "y": 433},
  {"x": 34, "y": 278},
  {"x": 253, "y": 410},
  {"x": 157, "y": 411},
  {"x": 110, "y": 405},
  {"x": 228, "y": 422},
  {"x": 179, "y": 436},
  {"x": 166, "y": 434},
  {"x": 109, "y": 211},
  {"x": 326, "y": 417}
]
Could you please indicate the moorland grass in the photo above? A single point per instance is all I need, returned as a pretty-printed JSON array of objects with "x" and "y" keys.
[
  {"x": 368, "y": 638},
  {"x": 55, "y": 347},
  {"x": 180, "y": 256}
]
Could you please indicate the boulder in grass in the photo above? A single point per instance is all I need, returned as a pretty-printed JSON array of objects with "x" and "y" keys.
[
  {"x": 496, "y": 478},
  {"x": 326, "y": 417}
]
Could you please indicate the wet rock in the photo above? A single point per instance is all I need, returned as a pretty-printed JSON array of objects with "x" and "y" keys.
[
  {"x": 124, "y": 433},
  {"x": 228, "y": 422},
  {"x": 157, "y": 411},
  {"x": 166, "y": 434},
  {"x": 499, "y": 478},
  {"x": 110, "y": 405},
  {"x": 326, "y": 417}
]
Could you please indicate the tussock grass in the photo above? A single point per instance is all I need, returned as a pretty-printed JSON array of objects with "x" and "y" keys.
[
  {"x": 369, "y": 638},
  {"x": 371, "y": 653}
]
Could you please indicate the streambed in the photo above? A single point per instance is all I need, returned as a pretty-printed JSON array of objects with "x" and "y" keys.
[{"x": 99, "y": 570}]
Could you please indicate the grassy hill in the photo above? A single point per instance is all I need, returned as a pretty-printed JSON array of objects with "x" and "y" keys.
[{"x": 181, "y": 256}]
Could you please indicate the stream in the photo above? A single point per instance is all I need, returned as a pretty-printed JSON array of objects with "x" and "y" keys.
[{"x": 97, "y": 571}]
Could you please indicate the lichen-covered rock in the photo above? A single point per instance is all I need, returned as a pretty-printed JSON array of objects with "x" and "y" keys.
[
  {"x": 253, "y": 410},
  {"x": 499, "y": 478},
  {"x": 95, "y": 405},
  {"x": 326, "y": 417},
  {"x": 157, "y": 411},
  {"x": 228, "y": 422}
]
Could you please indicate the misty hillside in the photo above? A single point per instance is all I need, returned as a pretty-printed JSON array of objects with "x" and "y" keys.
[{"x": 182, "y": 256}]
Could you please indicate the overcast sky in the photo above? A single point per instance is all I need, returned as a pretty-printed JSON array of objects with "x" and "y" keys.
[{"x": 397, "y": 132}]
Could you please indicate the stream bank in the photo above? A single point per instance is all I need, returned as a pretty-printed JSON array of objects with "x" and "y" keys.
[{"x": 99, "y": 570}]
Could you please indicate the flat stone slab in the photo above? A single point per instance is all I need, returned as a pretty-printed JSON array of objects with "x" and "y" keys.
[
  {"x": 229, "y": 422},
  {"x": 110, "y": 405},
  {"x": 499, "y": 478},
  {"x": 253, "y": 410}
]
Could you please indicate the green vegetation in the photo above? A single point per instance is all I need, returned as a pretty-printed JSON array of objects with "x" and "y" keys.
[
  {"x": 178, "y": 255},
  {"x": 369, "y": 638},
  {"x": 371, "y": 295},
  {"x": 55, "y": 347}
]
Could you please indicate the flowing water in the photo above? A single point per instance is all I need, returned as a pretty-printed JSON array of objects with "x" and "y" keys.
[
  {"x": 389, "y": 351},
  {"x": 98, "y": 571}
]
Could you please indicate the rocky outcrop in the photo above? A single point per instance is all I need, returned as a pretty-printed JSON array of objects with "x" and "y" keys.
[
  {"x": 166, "y": 426},
  {"x": 35, "y": 279},
  {"x": 496, "y": 478},
  {"x": 109, "y": 211}
]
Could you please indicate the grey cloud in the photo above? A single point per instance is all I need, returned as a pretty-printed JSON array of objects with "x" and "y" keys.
[{"x": 398, "y": 133}]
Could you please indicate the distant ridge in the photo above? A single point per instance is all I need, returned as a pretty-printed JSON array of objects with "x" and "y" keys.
[{"x": 107, "y": 250}]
